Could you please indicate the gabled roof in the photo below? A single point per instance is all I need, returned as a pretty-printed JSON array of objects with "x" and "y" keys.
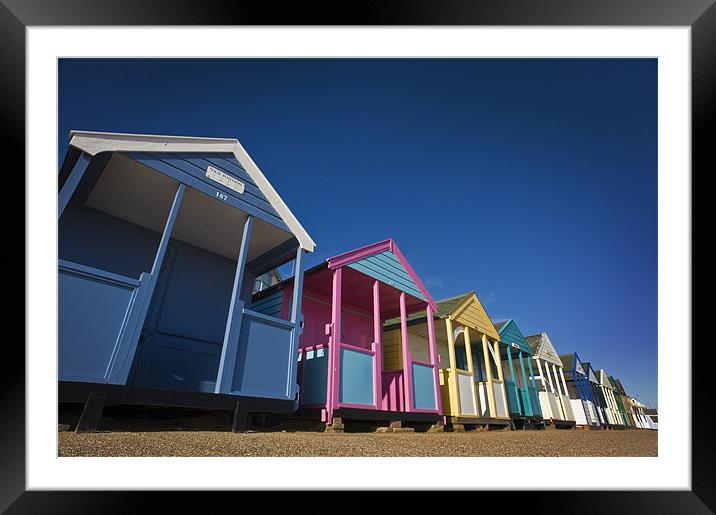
[
  {"x": 465, "y": 309},
  {"x": 590, "y": 371},
  {"x": 95, "y": 142},
  {"x": 567, "y": 360},
  {"x": 385, "y": 262},
  {"x": 571, "y": 361},
  {"x": 604, "y": 379},
  {"x": 469, "y": 311},
  {"x": 620, "y": 387},
  {"x": 511, "y": 334},
  {"x": 542, "y": 348}
]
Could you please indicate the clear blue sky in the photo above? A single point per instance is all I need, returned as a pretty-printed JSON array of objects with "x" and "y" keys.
[{"x": 531, "y": 181}]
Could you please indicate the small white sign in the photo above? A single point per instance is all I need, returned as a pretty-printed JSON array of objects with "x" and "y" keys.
[{"x": 224, "y": 178}]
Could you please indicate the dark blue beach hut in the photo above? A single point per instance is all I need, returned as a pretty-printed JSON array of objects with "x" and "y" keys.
[
  {"x": 580, "y": 391},
  {"x": 161, "y": 239}
]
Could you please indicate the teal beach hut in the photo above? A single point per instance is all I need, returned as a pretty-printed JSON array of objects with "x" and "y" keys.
[{"x": 522, "y": 398}]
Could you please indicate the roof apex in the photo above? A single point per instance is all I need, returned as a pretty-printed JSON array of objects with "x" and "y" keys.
[{"x": 93, "y": 143}]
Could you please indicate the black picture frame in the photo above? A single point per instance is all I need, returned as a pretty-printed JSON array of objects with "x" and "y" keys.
[{"x": 700, "y": 15}]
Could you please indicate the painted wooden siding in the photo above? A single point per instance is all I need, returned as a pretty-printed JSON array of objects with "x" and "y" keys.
[
  {"x": 386, "y": 267},
  {"x": 392, "y": 355},
  {"x": 423, "y": 387},
  {"x": 270, "y": 305},
  {"x": 316, "y": 314},
  {"x": 474, "y": 315},
  {"x": 418, "y": 345},
  {"x": 96, "y": 239},
  {"x": 195, "y": 165},
  {"x": 356, "y": 377}
]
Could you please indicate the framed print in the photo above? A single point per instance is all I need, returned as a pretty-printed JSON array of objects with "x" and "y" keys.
[{"x": 234, "y": 187}]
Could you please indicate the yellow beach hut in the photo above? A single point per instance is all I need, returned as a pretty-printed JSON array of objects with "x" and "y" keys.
[{"x": 472, "y": 385}]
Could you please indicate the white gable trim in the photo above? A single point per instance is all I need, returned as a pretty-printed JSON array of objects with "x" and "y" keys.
[{"x": 94, "y": 142}]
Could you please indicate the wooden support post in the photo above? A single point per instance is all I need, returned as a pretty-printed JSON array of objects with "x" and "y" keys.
[
  {"x": 514, "y": 380},
  {"x": 498, "y": 361},
  {"x": 541, "y": 375},
  {"x": 525, "y": 382},
  {"x": 377, "y": 347},
  {"x": 500, "y": 375},
  {"x": 334, "y": 346},
  {"x": 296, "y": 320},
  {"x": 549, "y": 377},
  {"x": 556, "y": 380},
  {"x": 241, "y": 415},
  {"x": 434, "y": 358},
  {"x": 230, "y": 347},
  {"x": 407, "y": 368},
  {"x": 91, "y": 413},
  {"x": 468, "y": 350},
  {"x": 490, "y": 384},
  {"x": 70, "y": 185},
  {"x": 532, "y": 373},
  {"x": 564, "y": 383},
  {"x": 452, "y": 377}
]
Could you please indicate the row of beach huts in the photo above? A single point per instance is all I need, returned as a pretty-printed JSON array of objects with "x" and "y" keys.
[{"x": 169, "y": 295}]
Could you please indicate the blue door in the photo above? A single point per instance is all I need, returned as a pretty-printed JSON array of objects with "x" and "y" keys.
[{"x": 181, "y": 342}]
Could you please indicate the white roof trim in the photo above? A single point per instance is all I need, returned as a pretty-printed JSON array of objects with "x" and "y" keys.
[{"x": 95, "y": 142}]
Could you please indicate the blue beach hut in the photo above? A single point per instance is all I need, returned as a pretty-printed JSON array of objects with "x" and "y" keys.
[
  {"x": 161, "y": 239},
  {"x": 580, "y": 391}
]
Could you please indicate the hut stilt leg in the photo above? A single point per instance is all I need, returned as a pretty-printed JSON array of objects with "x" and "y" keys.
[
  {"x": 91, "y": 413},
  {"x": 241, "y": 416}
]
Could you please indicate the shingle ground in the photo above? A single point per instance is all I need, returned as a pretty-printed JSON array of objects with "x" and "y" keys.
[{"x": 483, "y": 443}]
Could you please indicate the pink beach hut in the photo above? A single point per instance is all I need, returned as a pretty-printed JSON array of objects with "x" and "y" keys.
[{"x": 345, "y": 302}]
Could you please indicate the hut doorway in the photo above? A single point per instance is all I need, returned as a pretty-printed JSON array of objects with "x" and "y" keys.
[{"x": 183, "y": 334}]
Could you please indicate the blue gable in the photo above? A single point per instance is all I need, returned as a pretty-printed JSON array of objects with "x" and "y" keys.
[
  {"x": 510, "y": 333},
  {"x": 191, "y": 168},
  {"x": 386, "y": 267}
]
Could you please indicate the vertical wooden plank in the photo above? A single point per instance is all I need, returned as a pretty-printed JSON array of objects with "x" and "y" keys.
[
  {"x": 334, "y": 346},
  {"x": 70, "y": 185},
  {"x": 453, "y": 383},
  {"x": 230, "y": 347},
  {"x": 526, "y": 383},
  {"x": 549, "y": 377},
  {"x": 512, "y": 376},
  {"x": 556, "y": 379},
  {"x": 490, "y": 383},
  {"x": 434, "y": 359},
  {"x": 532, "y": 373},
  {"x": 498, "y": 360},
  {"x": 451, "y": 345},
  {"x": 377, "y": 346},
  {"x": 468, "y": 350},
  {"x": 122, "y": 364},
  {"x": 541, "y": 375},
  {"x": 564, "y": 383},
  {"x": 296, "y": 320},
  {"x": 407, "y": 366}
]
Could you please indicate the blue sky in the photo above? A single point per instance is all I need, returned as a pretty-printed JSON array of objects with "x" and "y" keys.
[{"x": 530, "y": 181}]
